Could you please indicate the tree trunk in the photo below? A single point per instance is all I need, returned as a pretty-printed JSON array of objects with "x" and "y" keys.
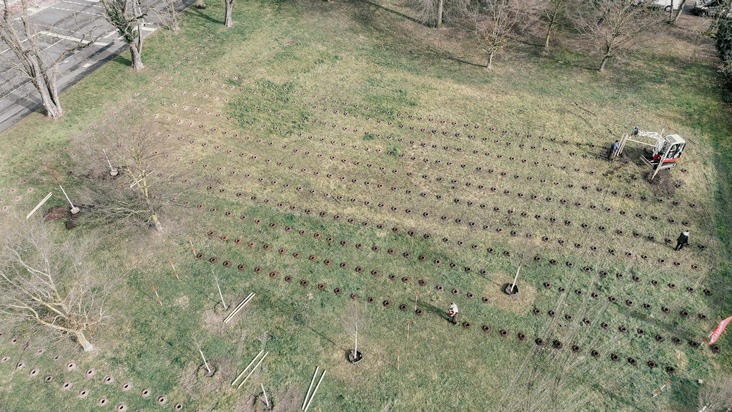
[
  {"x": 678, "y": 12},
  {"x": 548, "y": 34},
  {"x": 136, "y": 57},
  {"x": 45, "y": 83},
  {"x": 228, "y": 18},
  {"x": 605, "y": 58},
  {"x": 83, "y": 341},
  {"x": 156, "y": 223},
  {"x": 490, "y": 60},
  {"x": 440, "y": 6}
]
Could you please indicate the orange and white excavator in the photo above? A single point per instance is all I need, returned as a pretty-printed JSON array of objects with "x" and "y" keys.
[{"x": 664, "y": 152}]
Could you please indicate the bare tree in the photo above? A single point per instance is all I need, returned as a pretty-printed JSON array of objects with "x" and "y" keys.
[
  {"x": 674, "y": 16},
  {"x": 354, "y": 322},
  {"x": 127, "y": 17},
  {"x": 49, "y": 284},
  {"x": 615, "y": 25},
  {"x": 131, "y": 175},
  {"x": 435, "y": 12},
  {"x": 552, "y": 12},
  {"x": 496, "y": 22},
  {"x": 228, "y": 13},
  {"x": 168, "y": 15},
  {"x": 21, "y": 38},
  {"x": 715, "y": 395}
]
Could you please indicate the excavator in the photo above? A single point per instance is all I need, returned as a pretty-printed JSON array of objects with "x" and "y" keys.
[{"x": 662, "y": 152}]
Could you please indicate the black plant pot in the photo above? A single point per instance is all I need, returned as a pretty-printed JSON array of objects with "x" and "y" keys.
[
  {"x": 356, "y": 357},
  {"x": 510, "y": 292}
]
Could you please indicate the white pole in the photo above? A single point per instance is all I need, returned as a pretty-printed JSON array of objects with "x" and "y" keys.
[
  {"x": 38, "y": 206},
  {"x": 112, "y": 170},
  {"x": 204, "y": 361},
  {"x": 513, "y": 285},
  {"x": 239, "y": 307},
  {"x": 253, "y": 369},
  {"x": 266, "y": 400},
  {"x": 142, "y": 176},
  {"x": 314, "y": 390},
  {"x": 307, "y": 394},
  {"x": 74, "y": 209},
  {"x": 216, "y": 278},
  {"x": 355, "y": 346},
  {"x": 247, "y": 368}
]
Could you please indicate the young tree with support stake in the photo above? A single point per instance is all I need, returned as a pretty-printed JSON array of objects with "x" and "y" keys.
[
  {"x": 49, "y": 284},
  {"x": 20, "y": 36}
]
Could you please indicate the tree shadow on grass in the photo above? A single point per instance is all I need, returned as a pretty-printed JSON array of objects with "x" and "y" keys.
[
  {"x": 402, "y": 15},
  {"x": 458, "y": 60},
  {"x": 195, "y": 12},
  {"x": 122, "y": 60}
]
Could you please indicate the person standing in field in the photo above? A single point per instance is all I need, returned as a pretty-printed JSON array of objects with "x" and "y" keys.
[
  {"x": 452, "y": 312},
  {"x": 614, "y": 148},
  {"x": 683, "y": 240}
]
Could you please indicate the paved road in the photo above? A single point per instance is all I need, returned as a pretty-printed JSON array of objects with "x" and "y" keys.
[{"x": 60, "y": 24}]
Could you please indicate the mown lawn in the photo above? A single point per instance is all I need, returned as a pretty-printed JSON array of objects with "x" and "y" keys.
[{"x": 338, "y": 155}]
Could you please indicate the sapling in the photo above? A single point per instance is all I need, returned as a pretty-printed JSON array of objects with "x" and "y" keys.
[
  {"x": 205, "y": 363},
  {"x": 355, "y": 318},
  {"x": 216, "y": 279}
]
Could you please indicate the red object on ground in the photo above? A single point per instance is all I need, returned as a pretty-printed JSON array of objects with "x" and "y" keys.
[{"x": 719, "y": 329}]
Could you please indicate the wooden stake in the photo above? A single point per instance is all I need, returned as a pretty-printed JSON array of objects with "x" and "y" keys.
[
  {"x": 315, "y": 390},
  {"x": 266, "y": 400},
  {"x": 204, "y": 361},
  {"x": 38, "y": 206},
  {"x": 239, "y": 307},
  {"x": 74, "y": 209},
  {"x": 190, "y": 240},
  {"x": 216, "y": 278},
  {"x": 253, "y": 369},
  {"x": 398, "y": 360},
  {"x": 416, "y": 298},
  {"x": 307, "y": 394},
  {"x": 175, "y": 272},
  {"x": 247, "y": 368},
  {"x": 158, "y": 296},
  {"x": 658, "y": 392},
  {"x": 513, "y": 285}
]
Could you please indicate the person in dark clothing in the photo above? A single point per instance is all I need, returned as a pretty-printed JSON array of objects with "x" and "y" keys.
[
  {"x": 613, "y": 151},
  {"x": 683, "y": 240}
]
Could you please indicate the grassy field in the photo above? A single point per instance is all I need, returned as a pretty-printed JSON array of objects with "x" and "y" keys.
[{"x": 338, "y": 157}]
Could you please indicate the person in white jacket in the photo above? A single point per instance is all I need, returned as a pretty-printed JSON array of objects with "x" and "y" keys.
[{"x": 452, "y": 312}]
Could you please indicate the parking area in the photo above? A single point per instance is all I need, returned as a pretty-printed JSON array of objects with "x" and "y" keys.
[{"x": 59, "y": 25}]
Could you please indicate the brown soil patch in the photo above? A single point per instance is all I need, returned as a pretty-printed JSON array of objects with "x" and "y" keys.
[{"x": 521, "y": 303}]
